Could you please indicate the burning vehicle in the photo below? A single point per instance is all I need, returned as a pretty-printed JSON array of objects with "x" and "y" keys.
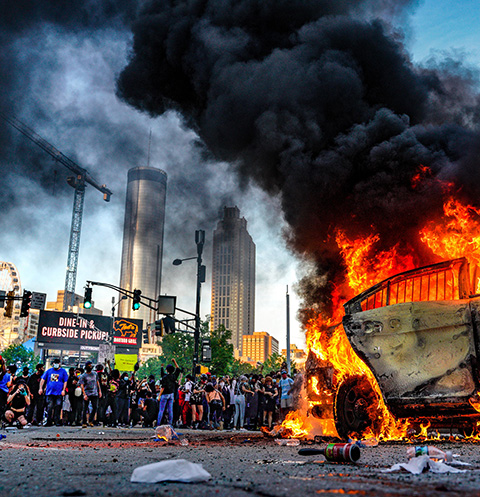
[{"x": 419, "y": 334}]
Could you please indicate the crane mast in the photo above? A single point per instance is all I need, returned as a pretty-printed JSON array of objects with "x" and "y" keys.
[{"x": 78, "y": 182}]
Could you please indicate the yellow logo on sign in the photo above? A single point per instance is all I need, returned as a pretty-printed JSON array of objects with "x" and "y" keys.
[{"x": 125, "y": 328}]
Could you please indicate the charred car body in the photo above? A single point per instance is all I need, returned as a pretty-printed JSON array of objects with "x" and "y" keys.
[{"x": 419, "y": 333}]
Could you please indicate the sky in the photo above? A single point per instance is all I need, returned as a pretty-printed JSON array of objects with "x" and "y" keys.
[{"x": 61, "y": 82}]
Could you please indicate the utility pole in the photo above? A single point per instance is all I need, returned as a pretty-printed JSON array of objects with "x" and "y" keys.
[{"x": 200, "y": 241}]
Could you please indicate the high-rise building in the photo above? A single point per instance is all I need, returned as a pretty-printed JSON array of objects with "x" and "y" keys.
[
  {"x": 143, "y": 238},
  {"x": 233, "y": 277},
  {"x": 11, "y": 328},
  {"x": 258, "y": 347}
]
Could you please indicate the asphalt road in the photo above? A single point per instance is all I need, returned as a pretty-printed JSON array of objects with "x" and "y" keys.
[{"x": 98, "y": 461}]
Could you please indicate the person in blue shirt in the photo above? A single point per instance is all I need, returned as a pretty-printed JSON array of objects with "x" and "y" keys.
[
  {"x": 56, "y": 380},
  {"x": 5, "y": 380},
  {"x": 286, "y": 399}
]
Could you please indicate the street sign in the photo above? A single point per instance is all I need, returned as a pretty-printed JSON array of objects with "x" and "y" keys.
[
  {"x": 166, "y": 304},
  {"x": 38, "y": 300}
]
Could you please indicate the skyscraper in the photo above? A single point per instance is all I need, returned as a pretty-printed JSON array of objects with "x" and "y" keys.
[
  {"x": 233, "y": 277},
  {"x": 143, "y": 238}
]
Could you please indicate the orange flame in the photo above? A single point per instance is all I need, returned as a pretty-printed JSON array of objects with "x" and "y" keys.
[{"x": 458, "y": 235}]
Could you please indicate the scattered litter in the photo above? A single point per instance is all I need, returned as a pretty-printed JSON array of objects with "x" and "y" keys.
[
  {"x": 165, "y": 433},
  {"x": 11, "y": 428},
  {"x": 335, "y": 452},
  {"x": 291, "y": 442},
  {"x": 433, "y": 452},
  {"x": 101, "y": 433},
  {"x": 179, "y": 470},
  {"x": 368, "y": 442},
  {"x": 2, "y": 436},
  {"x": 421, "y": 464},
  {"x": 184, "y": 441}
]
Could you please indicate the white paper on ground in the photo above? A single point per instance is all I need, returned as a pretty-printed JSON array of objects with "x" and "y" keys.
[
  {"x": 170, "y": 470},
  {"x": 417, "y": 465}
]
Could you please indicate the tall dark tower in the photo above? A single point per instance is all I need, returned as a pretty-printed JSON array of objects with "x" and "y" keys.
[
  {"x": 233, "y": 277},
  {"x": 143, "y": 238}
]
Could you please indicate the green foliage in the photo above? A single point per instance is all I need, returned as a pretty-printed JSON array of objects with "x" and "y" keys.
[
  {"x": 238, "y": 368},
  {"x": 19, "y": 355},
  {"x": 274, "y": 363},
  {"x": 222, "y": 351}
]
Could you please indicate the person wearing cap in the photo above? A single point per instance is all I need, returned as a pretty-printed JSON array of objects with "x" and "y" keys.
[
  {"x": 91, "y": 393},
  {"x": 55, "y": 379},
  {"x": 166, "y": 395},
  {"x": 286, "y": 400}
]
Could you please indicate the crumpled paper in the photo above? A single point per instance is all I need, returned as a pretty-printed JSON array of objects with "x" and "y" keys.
[
  {"x": 418, "y": 465},
  {"x": 179, "y": 470}
]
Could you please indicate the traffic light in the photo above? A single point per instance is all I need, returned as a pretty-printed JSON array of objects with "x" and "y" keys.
[
  {"x": 146, "y": 337},
  {"x": 87, "y": 299},
  {"x": 159, "y": 328},
  {"x": 26, "y": 302},
  {"x": 9, "y": 306},
  {"x": 136, "y": 299},
  {"x": 2, "y": 298},
  {"x": 206, "y": 350},
  {"x": 168, "y": 325},
  {"x": 164, "y": 326}
]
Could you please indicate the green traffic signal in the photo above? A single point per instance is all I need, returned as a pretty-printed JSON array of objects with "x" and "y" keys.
[
  {"x": 136, "y": 299},
  {"x": 87, "y": 299}
]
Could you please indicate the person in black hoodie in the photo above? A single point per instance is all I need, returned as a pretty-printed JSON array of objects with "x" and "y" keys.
[
  {"x": 167, "y": 391},
  {"x": 122, "y": 399},
  {"x": 37, "y": 403}
]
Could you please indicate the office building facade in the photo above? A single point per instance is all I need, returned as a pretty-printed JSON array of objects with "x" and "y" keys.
[
  {"x": 258, "y": 347},
  {"x": 143, "y": 239},
  {"x": 233, "y": 277}
]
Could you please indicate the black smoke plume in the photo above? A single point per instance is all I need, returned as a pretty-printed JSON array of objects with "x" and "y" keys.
[{"x": 318, "y": 102}]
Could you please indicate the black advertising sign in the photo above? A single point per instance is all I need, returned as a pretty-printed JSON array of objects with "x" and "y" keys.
[
  {"x": 65, "y": 330},
  {"x": 127, "y": 332}
]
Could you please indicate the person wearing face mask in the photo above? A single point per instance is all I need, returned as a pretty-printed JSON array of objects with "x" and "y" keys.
[
  {"x": 17, "y": 401},
  {"x": 91, "y": 393},
  {"x": 55, "y": 380},
  {"x": 122, "y": 398},
  {"x": 37, "y": 401}
]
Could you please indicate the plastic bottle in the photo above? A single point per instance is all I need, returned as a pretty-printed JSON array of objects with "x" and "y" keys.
[
  {"x": 432, "y": 452},
  {"x": 335, "y": 452}
]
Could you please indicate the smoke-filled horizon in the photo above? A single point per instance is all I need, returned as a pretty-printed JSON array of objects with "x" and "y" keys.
[{"x": 318, "y": 103}]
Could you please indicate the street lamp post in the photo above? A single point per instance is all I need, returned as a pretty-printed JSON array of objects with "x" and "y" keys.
[
  {"x": 201, "y": 271},
  {"x": 124, "y": 297}
]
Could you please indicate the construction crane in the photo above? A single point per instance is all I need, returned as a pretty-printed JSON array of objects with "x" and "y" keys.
[{"x": 78, "y": 182}]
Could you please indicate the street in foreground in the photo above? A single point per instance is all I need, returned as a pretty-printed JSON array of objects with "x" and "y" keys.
[{"x": 99, "y": 462}]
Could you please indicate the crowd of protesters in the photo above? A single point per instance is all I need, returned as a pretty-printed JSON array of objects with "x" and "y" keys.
[{"x": 100, "y": 395}]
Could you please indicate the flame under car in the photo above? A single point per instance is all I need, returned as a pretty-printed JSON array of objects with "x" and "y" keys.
[{"x": 419, "y": 333}]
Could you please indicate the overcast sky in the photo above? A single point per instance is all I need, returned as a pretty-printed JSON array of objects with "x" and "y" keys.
[{"x": 61, "y": 82}]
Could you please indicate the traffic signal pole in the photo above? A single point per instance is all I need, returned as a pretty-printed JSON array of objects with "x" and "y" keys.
[{"x": 200, "y": 241}]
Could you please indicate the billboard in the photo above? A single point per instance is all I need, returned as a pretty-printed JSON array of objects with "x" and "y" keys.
[
  {"x": 127, "y": 332},
  {"x": 65, "y": 330},
  {"x": 69, "y": 331}
]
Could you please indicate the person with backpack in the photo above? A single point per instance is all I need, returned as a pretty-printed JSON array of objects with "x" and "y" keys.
[{"x": 167, "y": 393}]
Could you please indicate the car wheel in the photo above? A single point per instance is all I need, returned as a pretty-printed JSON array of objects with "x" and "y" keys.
[{"x": 355, "y": 413}]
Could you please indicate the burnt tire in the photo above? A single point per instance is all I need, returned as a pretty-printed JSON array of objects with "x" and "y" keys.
[{"x": 355, "y": 413}]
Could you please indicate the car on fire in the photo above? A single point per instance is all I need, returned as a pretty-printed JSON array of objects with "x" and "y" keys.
[{"x": 419, "y": 333}]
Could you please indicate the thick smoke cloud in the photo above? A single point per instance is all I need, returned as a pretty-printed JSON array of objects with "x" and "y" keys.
[{"x": 317, "y": 102}]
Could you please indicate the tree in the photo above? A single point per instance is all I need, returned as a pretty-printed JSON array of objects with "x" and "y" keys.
[
  {"x": 238, "y": 368},
  {"x": 19, "y": 355},
  {"x": 275, "y": 362},
  {"x": 222, "y": 351}
]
